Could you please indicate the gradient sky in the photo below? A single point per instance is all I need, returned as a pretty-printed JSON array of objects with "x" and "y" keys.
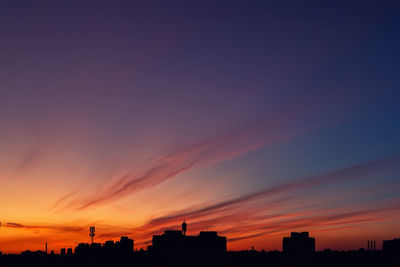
[{"x": 251, "y": 118}]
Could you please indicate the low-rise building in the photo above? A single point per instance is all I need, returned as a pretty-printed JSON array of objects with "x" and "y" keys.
[{"x": 299, "y": 244}]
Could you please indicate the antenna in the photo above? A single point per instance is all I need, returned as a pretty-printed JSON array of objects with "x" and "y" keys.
[
  {"x": 92, "y": 230},
  {"x": 184, "y": 227}
]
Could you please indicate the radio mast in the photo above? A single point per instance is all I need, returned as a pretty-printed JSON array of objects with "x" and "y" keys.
[{"x": 92, "y": 230}]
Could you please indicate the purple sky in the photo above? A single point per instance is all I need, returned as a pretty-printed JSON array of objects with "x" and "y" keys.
[{"x": 121, "y": 113}]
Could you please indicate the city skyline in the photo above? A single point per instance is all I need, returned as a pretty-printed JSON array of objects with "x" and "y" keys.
[
  {"x": 251, "y": 119},
  {"x": 176, "y": 248},
  {"x": 175, "y": 242}
]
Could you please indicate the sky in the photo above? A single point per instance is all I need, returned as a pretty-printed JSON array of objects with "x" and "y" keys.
[{"x": 250, "y": 118}]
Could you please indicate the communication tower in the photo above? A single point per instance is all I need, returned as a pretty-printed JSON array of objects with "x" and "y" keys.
[{"x": 92, "y": 230}]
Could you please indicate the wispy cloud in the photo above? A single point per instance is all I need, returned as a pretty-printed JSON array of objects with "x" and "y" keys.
[
  {"x": 167, "y": 166},
  {"x": 273, "y": 210},
  {"x": 31, "y": 156},
  {"x": 375, "y": 168},
  {"x": 248, "y": 212},
  {"x": 314, "y": 223},
  {"x": 276, "y": 126},
  {"x": 61, "y": 228}
]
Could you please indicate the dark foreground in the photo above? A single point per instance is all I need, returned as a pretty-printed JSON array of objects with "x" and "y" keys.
[{"x": 242, "y": 258}]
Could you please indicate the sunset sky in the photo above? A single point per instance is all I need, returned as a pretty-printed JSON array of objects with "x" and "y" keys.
[{"x": 249, "y": 118}]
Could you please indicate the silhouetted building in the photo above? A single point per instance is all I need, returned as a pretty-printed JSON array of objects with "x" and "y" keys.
[
  {"x": 299, "y": 244},
  {"x": 175, "y": 242},
  {"x": 33, "y": 253},
  {"x": 81, "y": 249},
  {"x": 121, "y": 248},
  {"x": 69, "y": 251},
  {"x": 391, "y": 246},
  {"x": 126, "y": 245},
  {"x": 62, "y": 252}
]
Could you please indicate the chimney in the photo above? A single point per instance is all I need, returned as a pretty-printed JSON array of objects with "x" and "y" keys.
[{"x": 46, "y": 247}]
